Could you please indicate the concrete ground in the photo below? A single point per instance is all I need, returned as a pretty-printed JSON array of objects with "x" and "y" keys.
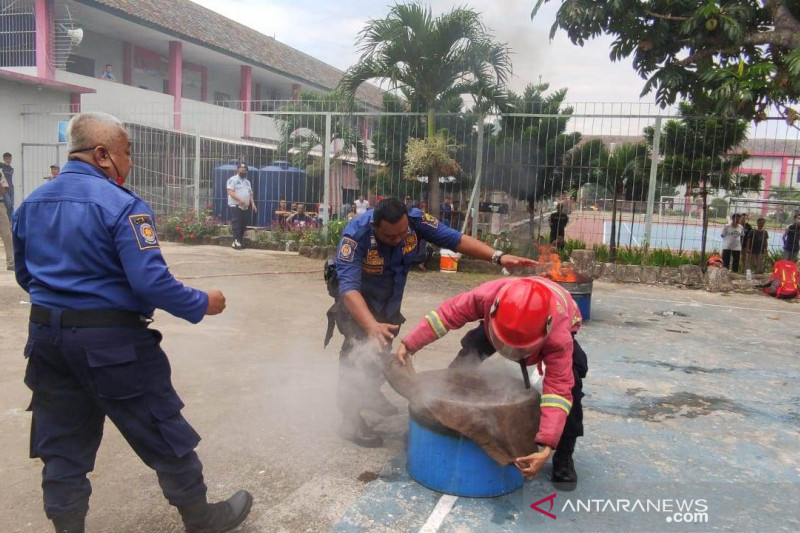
[{"x": 690, "y": 396}]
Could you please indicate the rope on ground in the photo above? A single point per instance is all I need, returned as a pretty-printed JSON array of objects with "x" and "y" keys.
[{"x": 239, "y": 274}]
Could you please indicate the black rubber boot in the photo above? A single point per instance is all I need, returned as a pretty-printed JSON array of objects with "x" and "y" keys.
[
  {"x": 204, "y": 517},
  {"x": 564, "y": 477},
  {"x": 70, "y": 523},
  {"x": 358, "y": 432}
]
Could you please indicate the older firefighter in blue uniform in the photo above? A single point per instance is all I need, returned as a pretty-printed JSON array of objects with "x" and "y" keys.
[
  {"x": 86, "y": 250},
  {"x": 375, "y": 254}
]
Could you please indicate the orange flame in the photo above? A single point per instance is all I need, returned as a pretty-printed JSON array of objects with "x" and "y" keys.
[{"x": 554, "y": 269}]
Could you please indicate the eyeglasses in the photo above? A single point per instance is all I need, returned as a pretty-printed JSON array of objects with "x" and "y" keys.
[{"x": 92, "y": 148}]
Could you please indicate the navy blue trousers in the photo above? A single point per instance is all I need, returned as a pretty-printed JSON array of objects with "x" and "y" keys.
[{"x": 80, "y": 376}]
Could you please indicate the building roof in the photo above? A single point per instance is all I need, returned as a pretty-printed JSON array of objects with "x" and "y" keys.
[
  {"x": 790, "y": 147},
  {"x": 195, "y": 23},
  {"x": 613, "y": 139}
]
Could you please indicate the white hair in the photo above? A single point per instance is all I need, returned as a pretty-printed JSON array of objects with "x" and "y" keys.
[{"x": 82, "y": 131}]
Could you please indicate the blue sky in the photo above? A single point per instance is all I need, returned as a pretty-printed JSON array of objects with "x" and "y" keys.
[{"x": 327, "y": 31}]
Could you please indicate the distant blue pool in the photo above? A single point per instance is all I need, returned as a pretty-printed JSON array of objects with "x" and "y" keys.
[{"x": 677, "y": 237}]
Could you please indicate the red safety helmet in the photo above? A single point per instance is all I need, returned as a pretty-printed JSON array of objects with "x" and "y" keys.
[{"x": 519, "y": 321}]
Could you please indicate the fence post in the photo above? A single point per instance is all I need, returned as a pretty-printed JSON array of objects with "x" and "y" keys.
[
  {"x": 196, "y": 172},
  {"x": 326, "y": 196},
  {"x": 473, "y": 199},
  {"x": 651, "y": 191}
]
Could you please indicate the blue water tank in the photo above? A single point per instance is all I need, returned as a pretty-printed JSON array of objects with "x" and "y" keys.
[
  {"x": 219, "y": 192},
  {"x": 446, "y": 461},
  {"x": 276, "y": 182}
]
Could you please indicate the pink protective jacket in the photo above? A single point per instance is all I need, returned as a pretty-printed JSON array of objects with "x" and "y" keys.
[{"x": 556, "y": 353}]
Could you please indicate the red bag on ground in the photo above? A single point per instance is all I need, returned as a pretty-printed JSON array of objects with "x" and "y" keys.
[{"x": 784, "y": 280}]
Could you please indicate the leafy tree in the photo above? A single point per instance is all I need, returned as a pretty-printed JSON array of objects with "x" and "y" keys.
[
  {"x": 591, "y": 192},
  {"x": 733, "y": 56},
  {"x": 620, "y": 170},
  {"x": 394, "y": 132},
  {"x": 431, "y": 156},
  {"x": 389, "y": 147},
  {"x": 429, "y": 60},
  {"x": 533, "y": 146},
  {"x": 785, "y": 192},
  {"x": 300, "y": 134},
  {"x": 701, "y": 153},
  {"x": 582, "y": 165},
  {"x": 719, "y": 206}
]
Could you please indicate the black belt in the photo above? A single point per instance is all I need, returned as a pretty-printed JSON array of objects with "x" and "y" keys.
[{"x": 71, "y": 318}]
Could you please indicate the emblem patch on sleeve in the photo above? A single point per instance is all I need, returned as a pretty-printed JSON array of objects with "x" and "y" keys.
[
  {"x": 347, "y": 250},
  {"x": 144, "y": 230},
  {"x": 430, "y": 220}
]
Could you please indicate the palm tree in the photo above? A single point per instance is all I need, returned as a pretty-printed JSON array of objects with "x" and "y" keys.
[
  {"x": 302, "y": 137},
  {"x": 618, "y": 172},
  {"x": 429, "y": 60},
  {"x": 302, "y": 134},
  {"x": 625, "y": 165}
]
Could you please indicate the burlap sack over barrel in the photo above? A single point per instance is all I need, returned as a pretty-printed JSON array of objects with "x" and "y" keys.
[{"x": 491, "y": 408}]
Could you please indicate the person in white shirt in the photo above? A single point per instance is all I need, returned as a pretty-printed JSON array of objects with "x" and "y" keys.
[
  {"x": 240, "y": 200},
  {"x": 732, "y": 243},
  {"x": 361, "y": 205}
]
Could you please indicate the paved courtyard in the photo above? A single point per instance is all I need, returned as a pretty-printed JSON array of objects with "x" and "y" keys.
[{"x": 692, "y": 407}]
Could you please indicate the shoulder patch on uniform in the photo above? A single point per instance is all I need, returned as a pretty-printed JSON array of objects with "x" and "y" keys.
[
  {"x": 347, "y": 249},
  {"x": 430, "y": 220},
  {"x": 144, "y": 230}
]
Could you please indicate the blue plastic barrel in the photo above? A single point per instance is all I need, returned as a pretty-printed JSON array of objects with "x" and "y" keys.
[
  {"x": 445, "y": 461},
  {"x": 581, "y": 292},
  {"x": 584, "y": 302}
]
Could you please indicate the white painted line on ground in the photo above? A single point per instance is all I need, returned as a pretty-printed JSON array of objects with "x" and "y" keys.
[{"x": 440, "y": 512}]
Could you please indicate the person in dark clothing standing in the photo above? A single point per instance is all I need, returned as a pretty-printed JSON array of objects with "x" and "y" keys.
[
  {"x": 791, "y": 239},
  {"x": 756, "y": 246},
  {"x": 558, "y": 225},
  {"x": 8, "y": 195},
  {"x": 87, "y": 252},
  {"x": 747, "y": 228}
]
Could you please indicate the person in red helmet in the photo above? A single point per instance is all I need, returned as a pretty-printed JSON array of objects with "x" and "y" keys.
[{"x": 531, "y": 320}]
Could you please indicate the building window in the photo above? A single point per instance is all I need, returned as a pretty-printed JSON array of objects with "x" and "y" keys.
[{"x": 17, "y": 37}]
